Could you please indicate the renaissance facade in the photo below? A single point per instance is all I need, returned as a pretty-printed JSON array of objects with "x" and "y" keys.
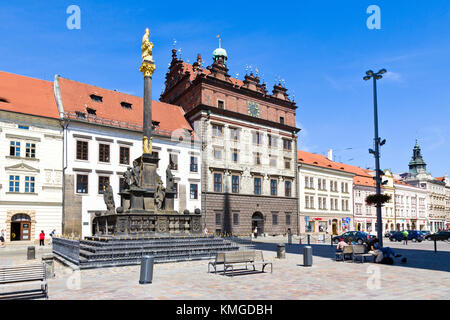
[{"x": 249, "y": 146}]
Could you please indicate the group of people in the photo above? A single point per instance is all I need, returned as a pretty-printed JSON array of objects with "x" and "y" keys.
[
  {"x": 382, "y": 255},
  {"x": 41, "y": 238}
]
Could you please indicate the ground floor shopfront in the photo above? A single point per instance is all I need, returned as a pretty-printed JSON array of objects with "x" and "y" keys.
[
  {"x": 329, "y": 224},
  {"x": 436, "y": 225},
  {"x": 241, "y": 214},
  {"x": 370, "y": 224},
  {"x": 25, "y": 224}
]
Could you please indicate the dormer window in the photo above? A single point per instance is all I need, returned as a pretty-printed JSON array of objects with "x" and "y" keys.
[
  {"x": 126, "y": 105},
  {"x": 91, "y": 111},
  {"x": 80, "y": 115},
  {"x": 96, "y": 98}
]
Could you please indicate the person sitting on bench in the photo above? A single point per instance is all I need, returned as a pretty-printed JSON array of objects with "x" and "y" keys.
[
  {"x": 340, "y": 246},
  {"x": 381, "y": 253}
]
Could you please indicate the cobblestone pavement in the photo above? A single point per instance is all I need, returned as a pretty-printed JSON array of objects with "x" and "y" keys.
[{"x": 425, "y": 276}]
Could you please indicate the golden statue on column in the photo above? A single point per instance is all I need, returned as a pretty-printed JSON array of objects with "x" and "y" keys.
[{"x": 148, "y": 66}]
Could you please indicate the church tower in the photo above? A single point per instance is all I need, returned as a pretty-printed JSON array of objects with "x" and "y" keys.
[{"x": 417, "y": 164}]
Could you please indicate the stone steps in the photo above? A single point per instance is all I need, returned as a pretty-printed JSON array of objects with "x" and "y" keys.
[{"x": 97, "y": 253}]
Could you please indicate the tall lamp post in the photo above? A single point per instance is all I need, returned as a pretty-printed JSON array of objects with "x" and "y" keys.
[{"x": 377, "y": 76}]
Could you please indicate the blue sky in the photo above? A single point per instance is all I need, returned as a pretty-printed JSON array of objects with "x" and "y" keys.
[{"x": 321, "y": 48}]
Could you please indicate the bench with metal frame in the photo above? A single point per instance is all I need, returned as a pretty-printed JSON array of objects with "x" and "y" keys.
[
  {"x": 239, "y": 258},
  {"x": 17, "y": 275}
]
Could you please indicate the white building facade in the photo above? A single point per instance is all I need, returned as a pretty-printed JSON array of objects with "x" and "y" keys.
[
  {"x": 410, "y": 208},
  {"x": 99, "y": 150},
  {"x": 30, "y": 175},
  {"x": 325, "y": 195}
]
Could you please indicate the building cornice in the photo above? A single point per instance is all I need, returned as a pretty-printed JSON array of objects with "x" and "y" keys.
[{"x": 240, "y": 116}]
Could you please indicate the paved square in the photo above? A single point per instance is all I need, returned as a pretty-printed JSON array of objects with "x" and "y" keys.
[{"x": 426, "y": 275}]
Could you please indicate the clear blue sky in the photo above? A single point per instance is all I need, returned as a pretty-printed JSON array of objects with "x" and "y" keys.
[{"x": 321, "y": 48}]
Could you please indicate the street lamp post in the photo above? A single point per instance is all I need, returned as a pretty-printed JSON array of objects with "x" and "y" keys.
[{"x": 377, "y": 76}]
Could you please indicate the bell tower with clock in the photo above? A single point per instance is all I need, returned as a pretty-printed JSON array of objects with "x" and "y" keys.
[{"x": 249, "y": 139}]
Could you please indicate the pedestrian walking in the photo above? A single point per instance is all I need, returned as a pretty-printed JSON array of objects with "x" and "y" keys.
[
  {"x": 405, "y": 237},
  {"x": 42, "y": 238},
  {"x": 2, "y": 239},
  {"x": 51, "y": 235},
  {"x": 256, "y": 232}
]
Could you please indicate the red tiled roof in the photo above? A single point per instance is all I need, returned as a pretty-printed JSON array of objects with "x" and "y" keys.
[
  {"x": 76, "y": 97},
  {"x": 27, "y": 95},
  {"x": 364, "y": 181},
  {"x": 322, "y": 161},
  {"x": 440, "y": 179},
  {"x": 362, "y": 176}
]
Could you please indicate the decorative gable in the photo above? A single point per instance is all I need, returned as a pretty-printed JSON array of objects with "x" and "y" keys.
[{"x": 22, "y": 167}]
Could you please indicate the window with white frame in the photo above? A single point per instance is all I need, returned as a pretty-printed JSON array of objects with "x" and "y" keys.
[
  {"x": 30, "y": 150},
  {"x": 14, "y": 148},
  {"x": 29, "y": 184},
  {"x": 14, "y": 183}
]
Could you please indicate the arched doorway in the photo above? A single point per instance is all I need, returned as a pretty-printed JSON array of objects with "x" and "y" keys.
[
  {"x": 20, "y": 227},
  {"x": 334, "y": 227},
  {"x": 258, "y": 222}
]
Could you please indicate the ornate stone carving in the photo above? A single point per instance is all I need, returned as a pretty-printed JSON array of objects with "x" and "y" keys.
[
  {"x": 160, "y": 195},
  {"x": 136, "y": 174},
  {"x": 161, "y": 225},
  {"x": 196, "y": 226},
  {"x": 169, "y": 179},
  {"x": 108, "y": 197}
]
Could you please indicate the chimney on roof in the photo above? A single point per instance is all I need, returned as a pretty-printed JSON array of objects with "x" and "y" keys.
[{"x": 330, "y": 154}]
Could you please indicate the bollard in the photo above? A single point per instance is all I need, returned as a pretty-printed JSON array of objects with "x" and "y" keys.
[
  {"x": 31, "y": 253},
  {"x": 47, "y": 259},
  {"x": 435, "y": 245},
  {"x": 309, "y": 239},
  {"x": 307, "y": 256},
  {"x": 281, "y": 251},
  {"x": 146, "y": 269}
]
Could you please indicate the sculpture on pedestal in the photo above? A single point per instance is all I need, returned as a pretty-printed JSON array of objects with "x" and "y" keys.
[
  {"x": 160, "y": 195},
  {"x": 169, "y": 179},
  {"x": 147, "y": 207},
  {"x": 108, "y": 197}
]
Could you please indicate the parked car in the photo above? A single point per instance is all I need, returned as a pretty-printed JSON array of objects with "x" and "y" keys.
[
  {"x": 425, "y": 232},
  {"x": 441, "y": 235},
  {"x": 357, "y": 236},
  {"x": 389, "y": 234},
  {"x": 413, "y": 235}
]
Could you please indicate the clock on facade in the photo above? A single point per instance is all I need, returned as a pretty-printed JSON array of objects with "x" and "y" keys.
[{"x": 253, "y": 109}]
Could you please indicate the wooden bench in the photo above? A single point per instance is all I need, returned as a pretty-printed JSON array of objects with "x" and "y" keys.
[
  {"x": 359, "y": 251},
  {"x": 17, "y": 275},
  {"x": 220, "y": 259},
  {"x": 239, "y": 258},
  {"x": 348, "y": 250}
]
